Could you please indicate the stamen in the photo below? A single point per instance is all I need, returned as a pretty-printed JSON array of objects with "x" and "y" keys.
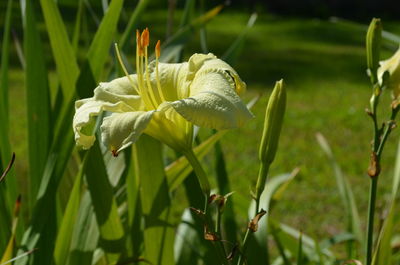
[
  {"x": 145, "y": 38},
  {"x": 139, "y": 50},
  {"x": 139, "y": 72},
  {"x": 158, "y": 49},
  {"x": 145, "y": 42},
  {"x": 158, "y": 53},
  {"x": 124, "y": 68}
]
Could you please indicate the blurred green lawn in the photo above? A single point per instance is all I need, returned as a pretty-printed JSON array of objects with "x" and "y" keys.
[{"x": 323, "y": 65}]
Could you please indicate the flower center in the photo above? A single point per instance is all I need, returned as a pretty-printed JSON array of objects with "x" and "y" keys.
[{"x": 152, "y": 98}]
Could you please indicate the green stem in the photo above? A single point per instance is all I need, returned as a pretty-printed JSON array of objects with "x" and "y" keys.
[
  {"x": 244, "y": 246},
  {"x": 205, "y": 187},
  {"x": 200, "y": 173},
  {"x": 218, "y": 222},
  {"x": 384, "y": 138},
  {"x": 261, "y": 180},
  {"x": 374, "y": 181},
  {"x": 378, "y": 148},
  {"x": 371, "y": 214}
]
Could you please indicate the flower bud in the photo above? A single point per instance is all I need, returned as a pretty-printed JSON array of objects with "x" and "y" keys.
[
  {"x": 273, "y": 123},
  {"x": 392, "y": 77},
  {"x": 373, "y": 43}
]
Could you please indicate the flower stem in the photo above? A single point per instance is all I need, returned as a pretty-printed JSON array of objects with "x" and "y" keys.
[
  {"x": 205, "y": 187},
  {"x": 370, "y": 224},
  {"x": 260, "y": 186},
  {"x": 262, "y": 179},
  {"x": 380, "y": 137},
  {"x": 200, "y": 173}
]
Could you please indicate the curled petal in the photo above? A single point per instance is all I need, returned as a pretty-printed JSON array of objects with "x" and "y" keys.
[
  {"x": 122, "y": 86},
  {"x": 120, "y": 130},
  {"x": 114, "y": 96},
  {"x": 85, "y": 118},
  {"x": 120, "y": 90},
  {"x": 203, "y": 63},
  {"x": 213, "y": 102}
]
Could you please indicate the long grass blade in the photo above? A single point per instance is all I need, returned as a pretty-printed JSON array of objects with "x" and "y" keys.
[
  {"x": 63, "y": 51},
  {"x": 38, "y": 102},
  {"x": 289, "y": 237},
  {"x": 174, "y": 45},
  {"x": 346, "y": 194},
  {"x": 280, "y": 245},
  {"x": 187, "y": 242},
  {"x": 158, "y": 233},
  {"x": 77, "y": 27},
  {"x": 5, "y": 53},
  {"x": 98, "y": 52},
  {"x": 85, "y": 235},
  {"x": 232, "y": 53},
  {"x": 112, "y": 235},
  {"x": 7, "y": 189},
  {"x": 300, "y": 251},
  {"x": 132, "y": 23},
  {"x": 187, "y": 12},
  {"x": 64, "y": 236},
  {"x": 8, "y": 254},
  {"x": 135, "y": 240}
]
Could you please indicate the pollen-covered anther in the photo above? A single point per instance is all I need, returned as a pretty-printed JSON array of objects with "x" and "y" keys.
[
  {"x": 139, "y": 50},
  {"x": 158, "y": 49},
  {"x": 145, "y": 38}
]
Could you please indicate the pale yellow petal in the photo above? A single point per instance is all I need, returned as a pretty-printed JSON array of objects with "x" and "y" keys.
[
  {"x": 213, "y": 102},
  {"x": 111, "y": 96},
  {"x": 391, "y": 65},
  {"x": 120, "y": 130}
]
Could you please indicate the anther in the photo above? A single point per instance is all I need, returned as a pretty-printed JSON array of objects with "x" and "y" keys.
[
  {"x": 145, "y": 38},
  {"x": 138, "y": 44},
  {"x": 158, "y": 49}
]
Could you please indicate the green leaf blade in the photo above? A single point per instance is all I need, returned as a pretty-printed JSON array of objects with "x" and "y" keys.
[
  {"x": 38, "y": 101},
  {"x": 158, "y": 233},
  {"x": 112, "y": 237}
]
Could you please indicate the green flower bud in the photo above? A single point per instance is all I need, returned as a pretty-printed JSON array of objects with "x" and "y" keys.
[
  {"x": 373, "y": 43},
  {"x": 273, "y": 123}
]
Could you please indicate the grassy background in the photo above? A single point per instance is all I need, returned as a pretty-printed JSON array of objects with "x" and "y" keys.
[{"x": 323, "y": 65}]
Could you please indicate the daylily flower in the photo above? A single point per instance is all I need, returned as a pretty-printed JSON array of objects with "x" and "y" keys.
[
  {"x": 391, "y": 65},
  {"x": 164, "y": 101}
]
